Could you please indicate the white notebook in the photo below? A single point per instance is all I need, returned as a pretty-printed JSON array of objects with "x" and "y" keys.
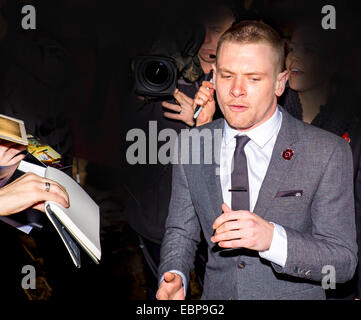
[{"x": 81, "y": 219}]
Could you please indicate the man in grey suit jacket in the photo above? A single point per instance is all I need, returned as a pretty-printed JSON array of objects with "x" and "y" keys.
[{"x": 300, "y": 226}]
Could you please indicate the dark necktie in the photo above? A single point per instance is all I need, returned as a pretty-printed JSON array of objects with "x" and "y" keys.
[{"x": 239, "y": 177}]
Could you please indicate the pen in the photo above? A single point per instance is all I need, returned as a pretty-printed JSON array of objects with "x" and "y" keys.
[{"x": 198, "y": 108}]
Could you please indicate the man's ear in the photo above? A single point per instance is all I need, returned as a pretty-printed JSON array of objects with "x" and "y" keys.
[
  {"x": 281, "y": 82},
  {"x": 214, "y": 74}
]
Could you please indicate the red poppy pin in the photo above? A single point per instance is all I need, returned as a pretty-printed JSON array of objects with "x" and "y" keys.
[
  {"x": 287, "y": 154},
  {"x": 346, "y": 137}
]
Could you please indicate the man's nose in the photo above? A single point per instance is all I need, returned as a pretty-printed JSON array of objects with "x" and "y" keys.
[
  {"x": 238, "y": 87},
  {"x": 296, "y": 54},
  {"x": 207, "y": 36}
]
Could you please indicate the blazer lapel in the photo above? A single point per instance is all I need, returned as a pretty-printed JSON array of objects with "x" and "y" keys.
[
  {"x": 211, "y": 171},
  {"x": 277, "y": 170},
  {"x": 279, "y": 166}
]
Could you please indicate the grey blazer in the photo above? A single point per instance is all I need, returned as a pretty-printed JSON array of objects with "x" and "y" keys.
[{"x": 320, "y": 224}]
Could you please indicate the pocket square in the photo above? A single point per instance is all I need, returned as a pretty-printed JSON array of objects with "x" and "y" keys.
[{"x": 289, "y": 193}]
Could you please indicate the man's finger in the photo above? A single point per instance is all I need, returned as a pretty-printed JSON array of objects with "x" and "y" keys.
[
  {"x": 16, "y": 159},
  {"x": 53, "y": 183},
  {"x": 9, "y": 146},
  {"x": 228, "y": 216},
  {"x": 203, "y": 96},
  {"x": 207, "y": 92},
  {"x": 199, "y": 102},
  {"x": 227, "y": 236},
  {"x": 174, "y": 107},
  {"x": 207, "y": 84},
  {"x": 169, "y": 276},
  {"x": 174, "y": 116},
  {"x": 8, "y": 152},
  {"x": 162, "y": 294},
  {"x": 226, "y": 208},
  {"x": 19, "y": 147},
  {"x": 48, "y": 196},
  {"x": 56, "y": 193},
  {"x": 181, "y": 97},
  {"x": 61, "y": 187},
  {"x": 238, "y": 243},
  {"x": 229, "y": 225}
]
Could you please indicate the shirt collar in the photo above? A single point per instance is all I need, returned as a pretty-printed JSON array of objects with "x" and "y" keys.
[{"x": 259, "y": 135}]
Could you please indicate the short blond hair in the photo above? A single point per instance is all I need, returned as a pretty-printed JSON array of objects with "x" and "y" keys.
[{"x": 252, "y": 31}]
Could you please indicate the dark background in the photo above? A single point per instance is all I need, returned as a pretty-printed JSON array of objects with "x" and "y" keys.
[{"x": 100, "y": 39}]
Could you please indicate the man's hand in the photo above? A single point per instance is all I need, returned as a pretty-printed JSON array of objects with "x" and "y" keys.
[
  {"x": 28, "y": 191},
  {"x": 185, "y": 108},
  {"x": 205, "y": 98},
  {"x": 171, "y": 288},
  {"x": 9, "y": 153},
  {"x": 242, "y": 229},
  {"x": 9, "y": 159}
]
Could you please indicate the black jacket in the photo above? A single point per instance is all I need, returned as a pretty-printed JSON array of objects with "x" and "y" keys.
[{"x": 148, "y": 186}]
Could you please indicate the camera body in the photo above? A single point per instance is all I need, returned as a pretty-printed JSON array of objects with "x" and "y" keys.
[{"x": 155, "y": 76}]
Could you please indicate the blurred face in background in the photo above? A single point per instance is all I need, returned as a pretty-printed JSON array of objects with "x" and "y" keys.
[
  {"x": 306, "y": 62},
  {"x": 214, "y": 28}
]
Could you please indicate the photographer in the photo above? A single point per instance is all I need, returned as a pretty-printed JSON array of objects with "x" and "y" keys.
[{"x": 148, "y": 186}]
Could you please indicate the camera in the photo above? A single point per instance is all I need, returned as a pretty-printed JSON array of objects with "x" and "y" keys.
[{"x": 155, "y": 76}]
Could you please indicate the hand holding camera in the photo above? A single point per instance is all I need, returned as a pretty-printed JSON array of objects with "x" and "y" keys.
[{"x": 184, "y": 108}]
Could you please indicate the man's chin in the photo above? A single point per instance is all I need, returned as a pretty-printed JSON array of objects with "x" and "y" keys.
[
  {"x": 238, "y": 125},
  {"x": 297, "y": 86}
]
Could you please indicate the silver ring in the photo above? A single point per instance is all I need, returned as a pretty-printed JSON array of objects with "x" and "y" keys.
[
  {"x": 47, "y": 186},
  {"x": 180, "y": 109}
]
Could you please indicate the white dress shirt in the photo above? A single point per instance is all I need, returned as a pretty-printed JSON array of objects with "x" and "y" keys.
[{"x": 258, "y": 153}]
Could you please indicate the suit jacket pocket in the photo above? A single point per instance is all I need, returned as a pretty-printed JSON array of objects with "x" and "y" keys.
[
  {"x": 290, "y": 209},
  {"x": 289, "y": 193}
]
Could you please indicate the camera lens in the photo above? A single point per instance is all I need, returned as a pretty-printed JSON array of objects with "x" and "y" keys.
[
  {"x": 155, "y": 76},
  {"x": 156, "y": 72}
]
